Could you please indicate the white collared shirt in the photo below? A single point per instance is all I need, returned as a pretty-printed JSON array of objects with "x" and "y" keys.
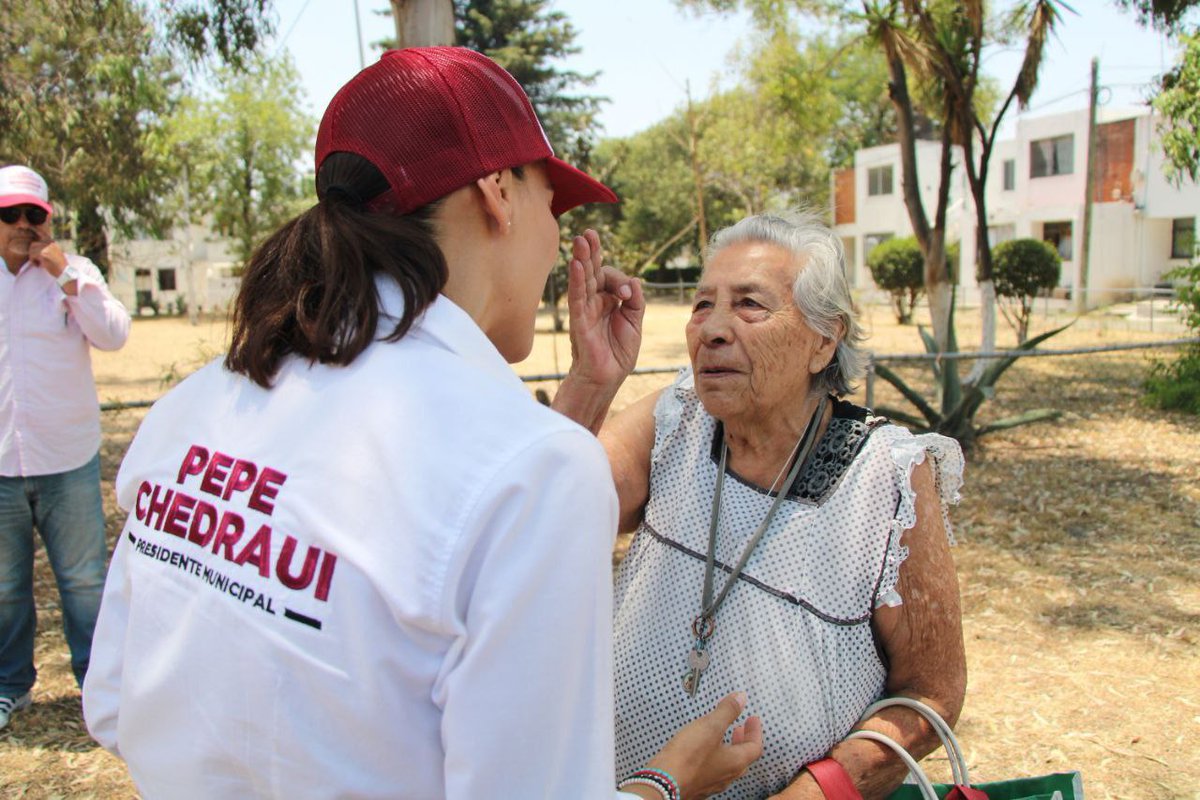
[
  {"x": 49, "y": 415},
  {"x": 428, "y": 614}
]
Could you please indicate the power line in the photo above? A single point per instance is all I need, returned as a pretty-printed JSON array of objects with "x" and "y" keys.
[
  {"x": 292, "y": 27},
  {"x": 1058, "y": 99}
]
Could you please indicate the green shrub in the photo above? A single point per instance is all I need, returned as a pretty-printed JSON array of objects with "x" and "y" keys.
[
  {"x": 899, "y": 269},
  {"x": 1176, "y": 384},
  {"x": 1021, "y": 269}
]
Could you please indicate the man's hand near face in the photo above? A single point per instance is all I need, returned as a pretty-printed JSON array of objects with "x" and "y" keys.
[{"x": 45, "y": 253}]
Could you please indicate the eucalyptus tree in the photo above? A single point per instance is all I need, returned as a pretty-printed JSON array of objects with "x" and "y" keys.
[
  {"x": 241, "y": 148},
  {"x": 831, "y": 85},
  {"x": 704, "y": 166},
  {"x": 1169, "y": 14},
  {"x": 215, "y": 31},
  {"x": 85, "y": 88},
  {"x": 651, "y": 173}
]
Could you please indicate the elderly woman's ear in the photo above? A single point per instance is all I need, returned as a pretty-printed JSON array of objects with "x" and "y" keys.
[{"x": 826, "y": 351}]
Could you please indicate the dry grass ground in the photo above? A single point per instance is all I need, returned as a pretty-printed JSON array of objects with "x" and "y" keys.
[{"x": 1078, "y": 557}]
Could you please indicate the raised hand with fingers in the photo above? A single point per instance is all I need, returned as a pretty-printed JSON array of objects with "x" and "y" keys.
[{"x": 606, "y": 308}]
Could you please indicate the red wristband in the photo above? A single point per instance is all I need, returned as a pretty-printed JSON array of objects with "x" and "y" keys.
[{"x": 834, "y": 780}]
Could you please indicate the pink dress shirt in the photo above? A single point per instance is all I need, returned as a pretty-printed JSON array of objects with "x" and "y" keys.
[{"x": 49, "y": 413}]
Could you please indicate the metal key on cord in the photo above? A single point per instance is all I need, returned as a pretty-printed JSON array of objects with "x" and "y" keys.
[
  {"x": 698, "y": 660},
  {"x": 698, "y": 657}
]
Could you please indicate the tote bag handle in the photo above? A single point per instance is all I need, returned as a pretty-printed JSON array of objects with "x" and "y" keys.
[
  {"x": 958, "y": 764},
  {"x": 923, "y": 783}
]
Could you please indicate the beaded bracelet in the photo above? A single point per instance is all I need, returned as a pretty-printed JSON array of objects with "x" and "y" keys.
[
  {"x": 658, "y": 779},
  {"x": 631, "y": 781}
]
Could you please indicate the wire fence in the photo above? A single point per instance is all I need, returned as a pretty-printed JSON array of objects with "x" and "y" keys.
[
  {"x": 872, "y": 360},
  {"x": 1151, "y": 304},
  {"x": 679, "y": 288}
]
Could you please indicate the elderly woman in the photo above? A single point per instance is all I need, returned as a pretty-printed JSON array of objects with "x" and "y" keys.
[{"x": 788, "y": 542}]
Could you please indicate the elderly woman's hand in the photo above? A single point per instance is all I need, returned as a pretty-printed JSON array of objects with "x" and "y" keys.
[{"x": 606, "y": 308}]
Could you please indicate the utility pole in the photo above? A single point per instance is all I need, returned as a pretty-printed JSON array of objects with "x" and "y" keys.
[
  {"x": 693, "y": 148},
  {"x": 362, "y": 59},
  {"x": 423, "y": 23},
  {"x": 189, "y": 265},
  {"x": 1089, "y": 188}
]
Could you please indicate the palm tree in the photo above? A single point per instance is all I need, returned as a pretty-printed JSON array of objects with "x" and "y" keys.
[{"x": 941, "y": 43}]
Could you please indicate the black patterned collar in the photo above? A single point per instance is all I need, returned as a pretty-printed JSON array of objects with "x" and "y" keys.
[{"x": 848, "y": 430}]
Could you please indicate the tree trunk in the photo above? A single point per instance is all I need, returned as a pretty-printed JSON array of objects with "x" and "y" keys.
[
  {"x": 91, "y": 238},
  {"x": 937, "y": 274},
  {"x": 987, "y": 338},
  {"x": 983, "y": 277},
  {"x": 555, "y": 313},
  {"x": 937, "y": 289},
  {"x": 246, "y": 234},
  {"x": 976, "y": 178},
  {"x": 423, "y": 23},
  {"x": 906, "y": 138},
  {"x": 931, "y": 239}
]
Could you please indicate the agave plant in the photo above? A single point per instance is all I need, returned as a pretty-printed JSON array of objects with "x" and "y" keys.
[{"x": 955, "y": 416}]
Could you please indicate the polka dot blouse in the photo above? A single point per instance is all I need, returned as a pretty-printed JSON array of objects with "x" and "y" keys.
[{"x": 795, "y": 631}]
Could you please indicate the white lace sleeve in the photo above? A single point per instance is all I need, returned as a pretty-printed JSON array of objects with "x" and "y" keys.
[
  {"x": 907, "y": 452},
  {"x": 668, "y": 411}
]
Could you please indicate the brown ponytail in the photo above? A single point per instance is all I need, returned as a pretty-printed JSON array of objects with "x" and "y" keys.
[{"x": 309, "y": 289}]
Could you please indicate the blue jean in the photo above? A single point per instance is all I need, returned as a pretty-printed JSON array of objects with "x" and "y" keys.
[{"x": 67, "y": 511}]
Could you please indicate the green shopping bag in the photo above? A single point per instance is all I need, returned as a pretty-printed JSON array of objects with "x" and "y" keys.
[{"x": 1057, "y": 786}]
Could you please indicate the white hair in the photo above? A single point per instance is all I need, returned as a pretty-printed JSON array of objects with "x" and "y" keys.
[{"x": 821, "y": 291}]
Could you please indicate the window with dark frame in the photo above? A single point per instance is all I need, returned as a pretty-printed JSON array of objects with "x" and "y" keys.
[
  {"x": 870, "y": 240},
  {"x": 1010, "y": 174},
  {"x": 1049, "y": 157},
  {"x": 879, "y": 180},
  {"x": 1183, "y": 237},
  {"x": 166, "y": 280},
  {"x": 1059, "y": 235}
]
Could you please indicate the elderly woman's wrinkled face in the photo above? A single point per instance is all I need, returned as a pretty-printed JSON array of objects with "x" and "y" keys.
[{"x": 752, "y": 353}]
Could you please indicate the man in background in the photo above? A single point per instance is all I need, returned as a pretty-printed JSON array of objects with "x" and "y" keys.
[{"x": 53, "y": 308}]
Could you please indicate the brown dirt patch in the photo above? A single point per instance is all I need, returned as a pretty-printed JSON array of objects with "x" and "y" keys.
[{"x": 1078, "y": 557}]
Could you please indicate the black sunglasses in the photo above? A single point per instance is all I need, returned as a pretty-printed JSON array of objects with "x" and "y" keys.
[{"x": 35, "y": 214}]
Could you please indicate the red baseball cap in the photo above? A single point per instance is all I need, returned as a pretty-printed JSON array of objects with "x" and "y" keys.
[
  {"x": 22, "y": 186},
  {"x": 435, "y": 119}
]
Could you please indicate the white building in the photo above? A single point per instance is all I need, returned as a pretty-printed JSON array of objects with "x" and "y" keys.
[
  {"x": 1142, "y": 226},
  {"x": 158, "y": 276}
]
